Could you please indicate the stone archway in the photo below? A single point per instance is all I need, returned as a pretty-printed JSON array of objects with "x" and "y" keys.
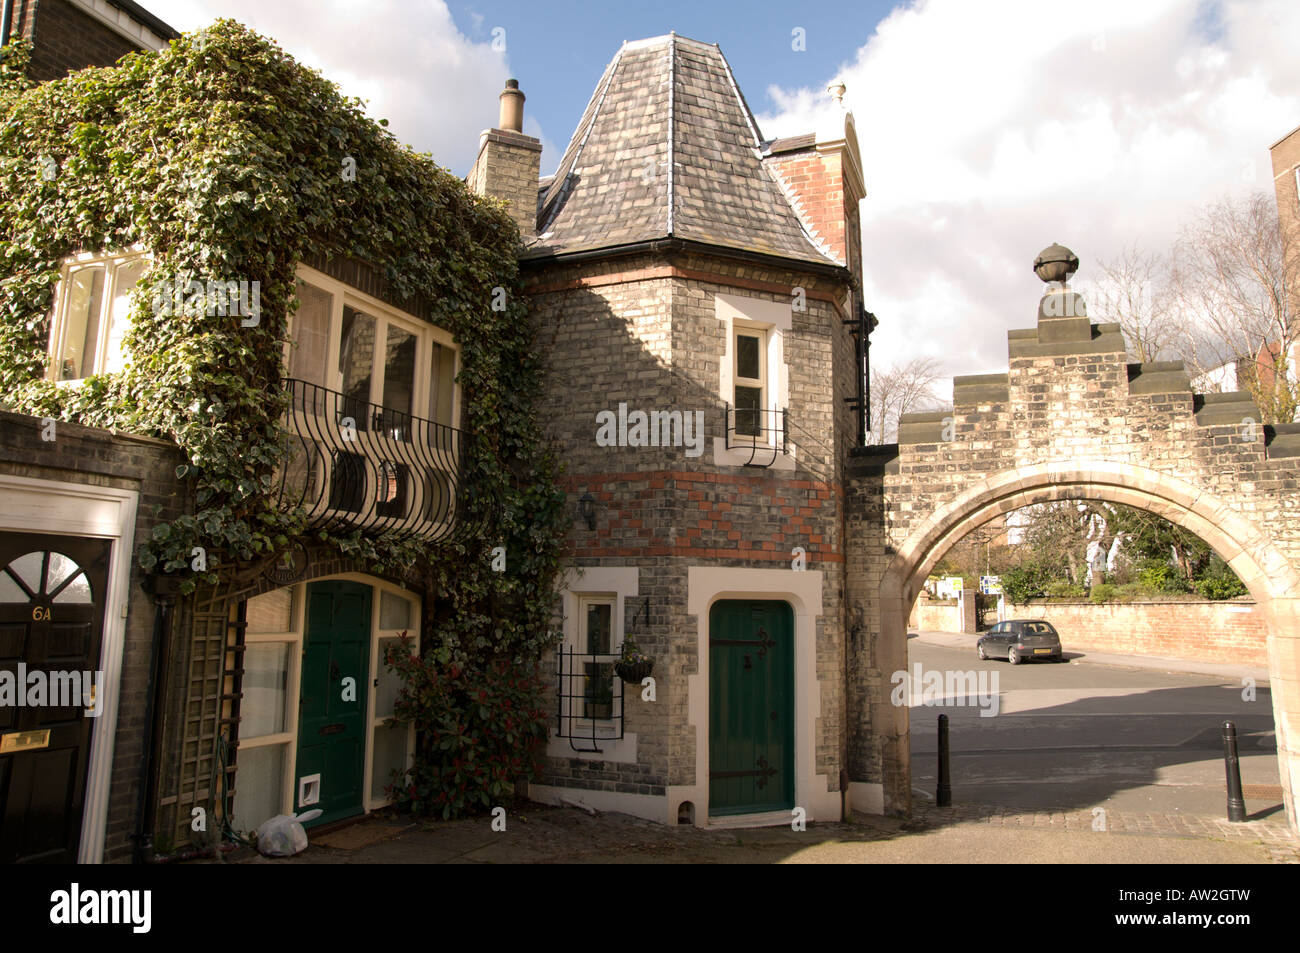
[
  {"x": 1271, "y": 579},
  {"x": 1069, "y": 419}
]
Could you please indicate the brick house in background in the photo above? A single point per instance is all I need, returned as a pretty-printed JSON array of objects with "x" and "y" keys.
[
  {"x": 696, "y": 294},
  {"x": 69, "y": 35}
]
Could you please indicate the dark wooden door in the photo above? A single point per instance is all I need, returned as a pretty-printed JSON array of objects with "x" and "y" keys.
[
  {"x": 751, "y": 707},
  {"x": 331, "y": 722},
  {"x": 52, "y": 591}
]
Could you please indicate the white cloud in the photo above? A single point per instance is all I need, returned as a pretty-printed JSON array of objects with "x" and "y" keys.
[
  {"x": 437, "y": 87},
  {"x": 990, "y": 130}
]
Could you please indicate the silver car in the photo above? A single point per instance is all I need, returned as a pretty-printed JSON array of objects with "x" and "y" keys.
[{"x": 1019, "y": 639}]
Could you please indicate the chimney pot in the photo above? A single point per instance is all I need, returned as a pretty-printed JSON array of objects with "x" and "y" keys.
[{"x": 512, "y": 107}]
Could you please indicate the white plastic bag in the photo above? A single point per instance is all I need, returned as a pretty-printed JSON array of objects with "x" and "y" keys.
[{"x": 283, "y": 835}]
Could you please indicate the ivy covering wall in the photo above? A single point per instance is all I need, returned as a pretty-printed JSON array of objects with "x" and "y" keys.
[{"x": 229, "y": 161}]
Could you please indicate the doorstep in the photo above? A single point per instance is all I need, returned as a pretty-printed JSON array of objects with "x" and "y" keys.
[{"x": 741, "y": 821}]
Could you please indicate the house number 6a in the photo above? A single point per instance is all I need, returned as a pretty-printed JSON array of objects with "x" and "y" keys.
[{"x": 41, "y": 613}]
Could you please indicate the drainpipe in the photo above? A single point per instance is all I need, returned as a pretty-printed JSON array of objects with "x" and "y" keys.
[{"x": 164, "y": 590}]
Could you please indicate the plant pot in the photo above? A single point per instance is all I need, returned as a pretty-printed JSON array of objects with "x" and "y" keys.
[{"x": 633, "y": 672}]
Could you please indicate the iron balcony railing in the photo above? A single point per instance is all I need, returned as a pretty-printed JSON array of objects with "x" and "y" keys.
[
  {"x": 354, "y": 464},
  {"x": 764, "y": 433}
]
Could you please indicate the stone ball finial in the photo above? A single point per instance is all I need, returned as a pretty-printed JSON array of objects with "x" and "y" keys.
[{"x": 1056, "y": 263}]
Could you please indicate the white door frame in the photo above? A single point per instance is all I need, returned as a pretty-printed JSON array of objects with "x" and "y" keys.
[{"x": 77, "y": 509}]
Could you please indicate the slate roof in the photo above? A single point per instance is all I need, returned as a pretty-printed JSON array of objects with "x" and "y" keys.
[{"x": 667, "y": 147}]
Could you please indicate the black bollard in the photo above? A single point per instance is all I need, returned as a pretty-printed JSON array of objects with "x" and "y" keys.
[
  {"x": 944, "y": 795},
  {"x": 1236, "y": 803}
]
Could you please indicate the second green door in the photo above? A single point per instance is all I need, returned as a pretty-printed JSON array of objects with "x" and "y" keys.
[{"x": 332, "y": 704}]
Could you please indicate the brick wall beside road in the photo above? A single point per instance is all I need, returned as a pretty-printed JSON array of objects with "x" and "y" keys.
[{"x": 1199, "y": 631}]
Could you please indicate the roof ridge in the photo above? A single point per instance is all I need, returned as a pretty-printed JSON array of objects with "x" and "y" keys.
[{"x": 672, "y": 89}]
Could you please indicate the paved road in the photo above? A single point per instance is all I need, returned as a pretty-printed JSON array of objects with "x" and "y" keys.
[{"x": 1070, "y": 736}]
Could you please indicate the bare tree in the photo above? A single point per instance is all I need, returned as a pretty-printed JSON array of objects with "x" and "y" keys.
[
  {"x": 1235, "y": 276},
  {"x": 1133, "y": 288},
  {"x": 902, "y": 389}
]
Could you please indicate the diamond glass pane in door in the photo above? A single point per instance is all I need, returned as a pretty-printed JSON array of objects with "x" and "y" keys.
[{"x": 29, "y": 568}]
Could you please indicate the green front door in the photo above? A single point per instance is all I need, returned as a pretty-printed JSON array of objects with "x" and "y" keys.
[
  {"x": 751, "y": 707},
  {"x": 332, "y": 705}
]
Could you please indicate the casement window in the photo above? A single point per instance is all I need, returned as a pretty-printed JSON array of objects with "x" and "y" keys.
[
  {"x": 754, "y": 383},
  {"x": 595, "y": 638},
  {"x": 591, "y": 703},
  {"x": 91, "y": 314},
  {"x": 372, "y": 354},
  {"x": 375, "y": 394},
  {"x": 750, "y": 376}
]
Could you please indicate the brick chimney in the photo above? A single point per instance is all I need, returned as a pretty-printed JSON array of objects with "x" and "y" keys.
[
  {"x": 822, "y": 174},
  {"x": 509, "y": 163}
]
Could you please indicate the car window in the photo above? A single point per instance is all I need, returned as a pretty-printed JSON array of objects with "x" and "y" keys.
[
  {"x": 1039, "y": 628},
  {"x": 998, "y": 629}
]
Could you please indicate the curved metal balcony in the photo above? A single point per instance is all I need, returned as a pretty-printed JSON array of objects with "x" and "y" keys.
[
  {"x": 764, "y": 433},
  {"x": 360, "y": 465}
]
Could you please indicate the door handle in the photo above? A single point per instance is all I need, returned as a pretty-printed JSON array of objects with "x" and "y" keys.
[{"x": 748, "y": 663}]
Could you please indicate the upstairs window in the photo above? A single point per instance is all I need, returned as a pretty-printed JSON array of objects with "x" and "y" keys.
[
  {"x": 750, "y": 382},
  {"x": 91, "y": 315},
  {"x": 371, "y": 354}
]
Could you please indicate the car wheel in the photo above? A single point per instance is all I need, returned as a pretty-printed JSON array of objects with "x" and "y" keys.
[
  {"x": 980, "y": 649},
  {"x": 1013, "y": 656}
]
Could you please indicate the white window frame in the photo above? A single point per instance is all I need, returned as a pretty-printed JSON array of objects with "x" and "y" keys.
[
  {"x": 112, "y": 263},
  {"x": 296, "y": 637},
  {"x": 774, "y": 319},
  {"x": 426, "y": 336},
  {"x": 765, "y": 416},
  {"x": 574, "y": 717}
]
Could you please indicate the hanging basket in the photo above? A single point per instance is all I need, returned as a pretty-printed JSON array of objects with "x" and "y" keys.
[{"x": 633, "y": 672}]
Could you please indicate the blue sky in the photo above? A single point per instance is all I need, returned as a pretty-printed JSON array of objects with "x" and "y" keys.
[
  {"x": 988, "y": 129},
  {"x": 559, "y": 49}
]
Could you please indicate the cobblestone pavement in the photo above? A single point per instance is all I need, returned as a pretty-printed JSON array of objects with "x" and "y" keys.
[
  {"x": 539, "y": 834},
  {"x": 1274, "y": 836}
]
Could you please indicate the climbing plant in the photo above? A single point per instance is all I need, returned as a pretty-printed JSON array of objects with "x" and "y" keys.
[{"x": 229, "y": 161}]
